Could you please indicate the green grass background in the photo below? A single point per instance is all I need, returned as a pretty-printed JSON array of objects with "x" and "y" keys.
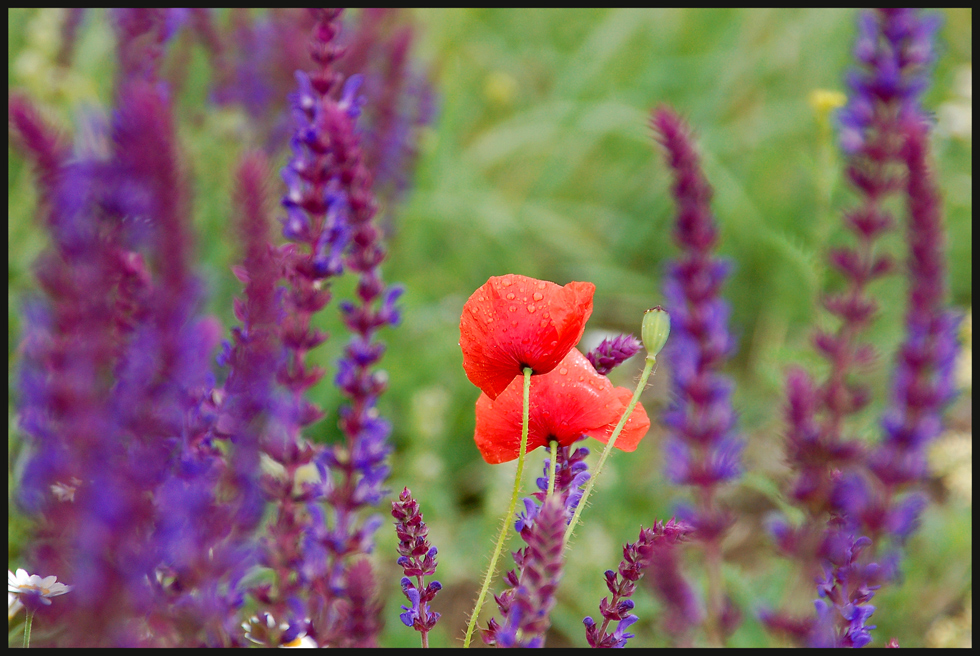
[{"x": 540, "y": 162}]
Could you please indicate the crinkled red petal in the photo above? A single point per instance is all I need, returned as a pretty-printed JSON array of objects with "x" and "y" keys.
[
  {"x": 514, "y": 321},
  {"x": 636, "y": 426},
  {"x": 570, "y": 401}
]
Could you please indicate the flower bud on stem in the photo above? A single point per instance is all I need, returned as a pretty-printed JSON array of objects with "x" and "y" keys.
[{"x": 656, "y": 328}]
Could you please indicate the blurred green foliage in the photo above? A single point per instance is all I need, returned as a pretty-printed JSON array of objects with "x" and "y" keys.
[{"x": 540, "y": 162}]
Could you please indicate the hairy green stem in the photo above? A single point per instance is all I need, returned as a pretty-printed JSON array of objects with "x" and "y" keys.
[
  {"x": 554, "y": 467},
  {"x": 507, "y": 518},
  {"x": 647, "y": 369},
  {"x": 27, "y": 629}
]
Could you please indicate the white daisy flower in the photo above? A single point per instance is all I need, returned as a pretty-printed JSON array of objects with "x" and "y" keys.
[
  {"x": 33, "y": 590},
  {"x": 255, "y": 631}
]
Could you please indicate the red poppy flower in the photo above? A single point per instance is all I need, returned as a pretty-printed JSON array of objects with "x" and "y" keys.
[
  {"x": 513, "y": 321},
  {"x": 570, "y": 401}
]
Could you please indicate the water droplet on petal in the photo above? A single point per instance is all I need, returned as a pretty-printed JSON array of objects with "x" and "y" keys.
[
  {"x": 489, "y": 319},
  {"x": 537, "y": 296},
  {"x": 554, "y": 343},
  {"x": 506, "y": 282},
  {"x": 544, "y": 323},
  {"x": 563, "y": 371},
  {"x": 541, "y": 285},
  {"x": 526, "y": 340},
  {"x": 531, "y": 309},
  {"x": 514, "y": 324},
  {"x": 547, "y": 315},
  {"x": 510, "y": 296},
  {"x": 513, "y": 308}
]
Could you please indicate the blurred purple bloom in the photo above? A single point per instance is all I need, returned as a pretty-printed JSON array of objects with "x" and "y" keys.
[
  {"x": 845, "y": 590},
  {"x": 923, "y": 380},
  {"x": 117, "y": 394},
  {"x": 894, "y": 51},
  {"x": 703, "y": 449},
  {"x": 256, "y": 57}
]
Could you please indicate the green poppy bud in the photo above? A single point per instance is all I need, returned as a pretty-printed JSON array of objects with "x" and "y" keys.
[{"x": 656, "y": 328}]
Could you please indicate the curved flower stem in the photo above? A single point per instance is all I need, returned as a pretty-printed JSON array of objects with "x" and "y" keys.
[
  {"x": 647, "y": 369},
  {"x": 554, "y": 467},
  {"x": 27, "y": 629},
  {"x": 510, "y": 513}
]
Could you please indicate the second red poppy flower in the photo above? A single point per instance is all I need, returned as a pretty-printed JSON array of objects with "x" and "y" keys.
[{"x": 567, "y": 403}]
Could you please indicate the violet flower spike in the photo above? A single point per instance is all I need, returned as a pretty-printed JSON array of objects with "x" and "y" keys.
[
  {"x": 893, "y": 50},
  {"x": 923, "y": 383},
  {"x": 360, "y": 462},
  {"x": 331, "y": 206},
  {"x": 418, "y": 559},
  {"x": 650, "y": 548},
  {"x": 115, "y": 377},
  {"x": 886, "y": 505},
  {"x": 924, "y": 377},
  {"x": 571, "y": 475},
  {"x": 703, "y": 449},
  {"x": 845, "y": 590},
  {"x": 528, "y": 616},
  {"x": 246, "y": 410},
  {"x": 701, "y": 415},
  {"x": 894, "y": 53},
  {"x": 613, "y": 352},
  {"x": 314, "y": 207}
]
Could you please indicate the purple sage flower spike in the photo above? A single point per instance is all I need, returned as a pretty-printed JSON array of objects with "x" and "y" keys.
[
  {"x": 703, "y": 449},
  {"x": 418, "y": 559}
]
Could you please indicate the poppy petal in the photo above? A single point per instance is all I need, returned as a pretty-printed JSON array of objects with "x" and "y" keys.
[
  {"x": 636, "y": 426},
  {"x": 498, "y": 428},
  {"x": 567, "y": 403},
  {"x": 514, "y": 321},
  {"x": 574, "y": 399}
]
